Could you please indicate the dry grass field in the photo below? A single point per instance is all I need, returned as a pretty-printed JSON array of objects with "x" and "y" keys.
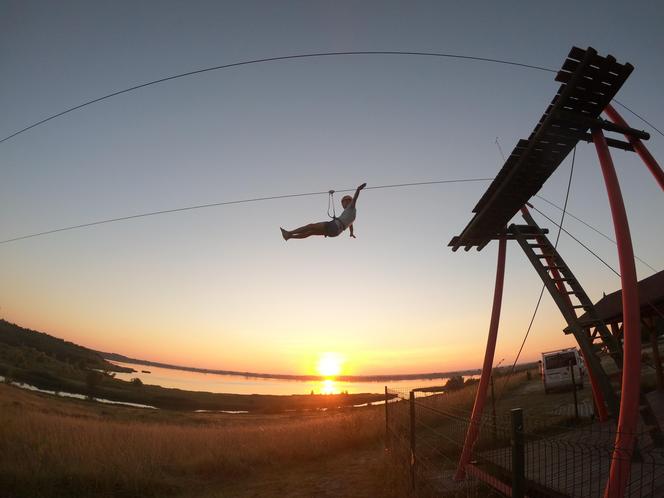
[{"x": 55, "y": 447}]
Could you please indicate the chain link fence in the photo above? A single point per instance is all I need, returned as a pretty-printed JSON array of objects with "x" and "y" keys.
[
  {"x": 426, "y": 443},
  {"x": 547, "y": 456}
]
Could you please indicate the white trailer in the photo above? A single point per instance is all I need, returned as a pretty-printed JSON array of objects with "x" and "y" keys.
[{"x": 557, "y": 368}]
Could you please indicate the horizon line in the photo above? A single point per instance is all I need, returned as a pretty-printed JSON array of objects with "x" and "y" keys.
[{"x": 297, "y": 377}]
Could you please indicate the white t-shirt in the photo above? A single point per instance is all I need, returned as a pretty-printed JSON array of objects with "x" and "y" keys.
[{"x": 348, "y": 216}]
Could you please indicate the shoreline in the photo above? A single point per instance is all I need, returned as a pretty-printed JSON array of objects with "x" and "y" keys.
[
  {"x": 115, "y": 357},
  {"x": 111, "y": 390}
]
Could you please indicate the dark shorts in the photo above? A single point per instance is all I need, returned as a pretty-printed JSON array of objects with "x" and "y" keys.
[{"x": 333, "y": 228}]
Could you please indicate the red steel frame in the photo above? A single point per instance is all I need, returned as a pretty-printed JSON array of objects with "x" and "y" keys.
[
  {"x": 631, "y": 374},
  {"x": 480, "y": 396},
  {"x": 489, "y": 479},
  {"x": 621, "y": 461},
  {"x": 639, "y": 148},
  {"x": 600, "y": 404}
]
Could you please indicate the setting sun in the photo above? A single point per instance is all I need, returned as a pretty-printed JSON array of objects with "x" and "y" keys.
[{"x": 329, "y": 364}]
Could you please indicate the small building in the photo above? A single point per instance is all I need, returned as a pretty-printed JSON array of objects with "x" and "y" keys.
[{"x": 651, "y": 297}]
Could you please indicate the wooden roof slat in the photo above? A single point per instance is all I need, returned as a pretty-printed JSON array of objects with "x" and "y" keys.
[
  {"x": 597, "y": 74},
  {"x": 589, "y": 82},
  {"x": 651, "y": 299},
  {"x": 578, "y": 54}
]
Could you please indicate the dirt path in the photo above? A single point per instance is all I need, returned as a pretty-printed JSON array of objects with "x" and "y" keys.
[{"x": 531, "y": 397}]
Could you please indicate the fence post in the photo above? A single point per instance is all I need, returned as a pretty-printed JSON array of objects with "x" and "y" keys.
[
  {"x": 518, "y": 456},
  {"x": 412, "y": 439},
  {"x": 576, "y": 399},
  {"x": 387, "y": 423},
  {"x": 493, "y": 409}
]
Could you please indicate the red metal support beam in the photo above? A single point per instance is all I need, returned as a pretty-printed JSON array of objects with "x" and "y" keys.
[
  {"x": 600, "y": 404},
  {"x": 621, "y": 461},
  {"x": 598, "y": 397},
  {"x": 480, "y": 396},
  {"x": 639, "y": 147},
  {"x": 492, "y": 481}
]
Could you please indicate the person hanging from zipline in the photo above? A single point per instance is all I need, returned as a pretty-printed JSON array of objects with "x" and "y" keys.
[{"x": 329, "y": 228}]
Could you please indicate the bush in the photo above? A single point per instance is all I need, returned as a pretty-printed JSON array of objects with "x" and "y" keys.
[
  {"x": 39, "y": 378},
  {"x": 454, "y": 383},
  {"x": 92, "y": 380}
]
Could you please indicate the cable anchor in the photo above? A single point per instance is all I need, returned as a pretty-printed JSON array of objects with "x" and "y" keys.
[{"x": 330, "y": 204}]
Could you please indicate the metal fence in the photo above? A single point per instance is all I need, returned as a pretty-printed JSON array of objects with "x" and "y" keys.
[
  {"x": 548, "y": 457},
  {"x": 426, "y": 442}
]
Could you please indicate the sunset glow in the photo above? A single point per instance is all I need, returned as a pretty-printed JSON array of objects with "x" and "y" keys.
[
  {"x": 303, "y": 248},
  {"x": 329, "y": 364},
  {"x": 219, "y": 288}
]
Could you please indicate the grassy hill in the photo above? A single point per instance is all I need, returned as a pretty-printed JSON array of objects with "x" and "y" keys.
[
  {"x": 31, "y": 344},
  {"x": 48, "y": 362}
]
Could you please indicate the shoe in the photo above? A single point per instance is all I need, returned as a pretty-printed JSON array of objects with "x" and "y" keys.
[{"x": 284, "y": 234}]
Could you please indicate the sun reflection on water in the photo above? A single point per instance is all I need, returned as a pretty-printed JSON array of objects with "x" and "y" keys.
[{"x": 329, "y": 386}]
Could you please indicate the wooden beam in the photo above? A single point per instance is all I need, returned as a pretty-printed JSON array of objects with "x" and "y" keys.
[{"x": 588, "y": 122}]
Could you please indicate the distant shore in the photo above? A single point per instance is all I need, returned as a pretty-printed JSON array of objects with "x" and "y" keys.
[{"x": 343, "y": 378}]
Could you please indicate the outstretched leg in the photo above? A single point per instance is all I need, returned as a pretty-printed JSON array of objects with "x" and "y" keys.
[{"x": 305, "y": 231}]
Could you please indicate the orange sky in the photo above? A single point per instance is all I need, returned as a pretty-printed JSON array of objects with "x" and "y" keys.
[{"x": 218, "y": 287}]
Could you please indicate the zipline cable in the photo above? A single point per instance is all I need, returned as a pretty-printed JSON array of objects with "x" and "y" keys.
[
  {"x": 593, "y": 229},
  {"x": 640, "y": 117},
  {"x": 227, "y": 203},
  {"x": 299, "y": 56},
  {"x": 274, "y": 59},
  {"x": 541, "y": 294},
  {"x": 500, "y": 150},
  {"x": 597, "y": 256}
]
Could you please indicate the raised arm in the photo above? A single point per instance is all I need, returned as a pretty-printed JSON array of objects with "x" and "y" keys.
[{"x": 357, "y": 194}]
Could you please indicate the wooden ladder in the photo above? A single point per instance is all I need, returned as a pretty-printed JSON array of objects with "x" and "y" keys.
[{"x": 565, "y": 289}]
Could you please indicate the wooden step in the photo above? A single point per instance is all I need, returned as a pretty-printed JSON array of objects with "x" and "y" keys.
[{"x": 593, "y": 322}]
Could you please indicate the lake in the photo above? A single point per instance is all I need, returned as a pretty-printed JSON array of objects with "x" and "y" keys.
[{"x": 217, "y": 383}]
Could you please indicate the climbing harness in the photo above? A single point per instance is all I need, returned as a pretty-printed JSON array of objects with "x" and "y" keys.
[{"x": 330, "y": 203}]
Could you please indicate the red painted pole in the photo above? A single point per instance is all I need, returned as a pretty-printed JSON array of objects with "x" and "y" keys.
[
  {"x": 621, "y": 461},
  {"x": 638, "y": 145},
  {"x": 480, "y": 396},
  {"x": 602, "y": 414}
]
